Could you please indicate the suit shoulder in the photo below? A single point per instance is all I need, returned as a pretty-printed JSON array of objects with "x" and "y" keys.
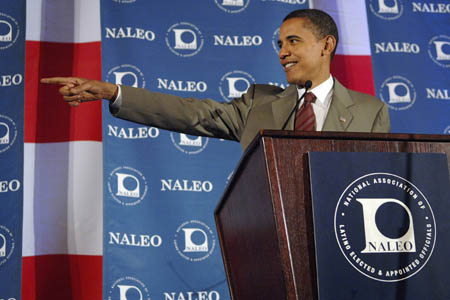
[
  {"x": 365, "y": 99},
  {"x": 267, "y": 89}
]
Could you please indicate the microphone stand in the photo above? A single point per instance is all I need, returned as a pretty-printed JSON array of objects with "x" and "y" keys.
[{"x": 308, "y": 85}]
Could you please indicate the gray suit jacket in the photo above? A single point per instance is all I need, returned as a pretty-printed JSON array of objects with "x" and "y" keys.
[{"x": 262, "y": 107}]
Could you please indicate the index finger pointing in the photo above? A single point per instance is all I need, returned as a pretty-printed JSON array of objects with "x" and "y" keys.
[{"x": 59, "y": 80}]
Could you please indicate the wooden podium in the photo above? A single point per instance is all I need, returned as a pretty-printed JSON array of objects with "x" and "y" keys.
[{"x": 264, "y": 218}]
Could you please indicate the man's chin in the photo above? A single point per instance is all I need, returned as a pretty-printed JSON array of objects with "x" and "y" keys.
[{"x": 295, "y": 81}]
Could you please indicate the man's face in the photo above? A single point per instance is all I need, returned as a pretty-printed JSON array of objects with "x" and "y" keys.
[{"x": 302, "y": 55}]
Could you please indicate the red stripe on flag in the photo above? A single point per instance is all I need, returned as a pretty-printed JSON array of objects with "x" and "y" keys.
[
  {"x": 47, "y": 117},
  {"x": 56, "y": 277},
  {"x": 355, "y": 72}
]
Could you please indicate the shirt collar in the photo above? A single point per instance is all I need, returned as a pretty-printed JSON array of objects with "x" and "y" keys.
[{"x": 321, "y": 91}]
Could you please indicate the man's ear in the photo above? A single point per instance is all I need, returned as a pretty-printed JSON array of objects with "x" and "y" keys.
[{"x": 329, "y": 45}]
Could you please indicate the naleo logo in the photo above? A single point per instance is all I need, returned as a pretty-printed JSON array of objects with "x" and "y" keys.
[
  {"x": 130, "y": 33},
  {"x": 447, "y": 130},
  {"x": 188, "y": 144},
  {"x": 386, "y": 9},
  {"x": 397, "y": 47},
  {"x": 10, "y": 80},
  {"x": 398, "y": 93},
  {"x": 128, "y": 288},
  {"x": 8, "y": 133},
  {"x": 184, "y": 39},
  {"x": 9, "y": 185},
  {"x": 237, "y": 41},
  {"x": 385, "y": 227},
  {"x": 9, "y": 31},
  {"x": 194, "y": 240},
  {"x": 133, "y": 133},
  {"x": 126, "y": 74},
  {"x": 439, "y": 50},
  {"x": 232, "y": 6},
  {"x": 198, "y": 295},
  {"x": 440, "y": 8},
  {"x": 7, "y": 244},
  {"x": 127, "y": 186},
  {"x": 234, "y": 84},
  {"x": 182, "y": 86},
  {"x": 136, "y": 240},
  {"x": 185, "y": 185},
  {"x": 275, "y": 37}
]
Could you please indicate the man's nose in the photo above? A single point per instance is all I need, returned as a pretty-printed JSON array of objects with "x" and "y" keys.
[{"x": 283, "y": 52}]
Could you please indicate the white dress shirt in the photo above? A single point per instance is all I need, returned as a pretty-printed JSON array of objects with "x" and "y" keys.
[{"x": 323, "y": 93}]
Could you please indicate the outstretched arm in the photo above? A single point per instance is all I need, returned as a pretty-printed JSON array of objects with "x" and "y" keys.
[{"x": 76, "y": 90}]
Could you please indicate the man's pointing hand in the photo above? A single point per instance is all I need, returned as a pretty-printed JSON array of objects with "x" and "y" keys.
[{"x": 76, "y": 90}]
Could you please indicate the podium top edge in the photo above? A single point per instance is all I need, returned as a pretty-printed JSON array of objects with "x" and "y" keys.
[{"x": 355, "y": 136}]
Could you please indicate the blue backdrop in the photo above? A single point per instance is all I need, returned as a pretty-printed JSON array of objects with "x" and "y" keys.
[
  {"x": 410, "y": 44},
  {"x": 12, "y": 67}
]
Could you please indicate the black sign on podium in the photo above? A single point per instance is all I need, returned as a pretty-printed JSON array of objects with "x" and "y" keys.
[{"x": 381, "y": 225}]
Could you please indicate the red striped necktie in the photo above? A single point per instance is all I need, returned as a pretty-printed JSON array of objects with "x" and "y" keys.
[{"x": 305, "y": 120}]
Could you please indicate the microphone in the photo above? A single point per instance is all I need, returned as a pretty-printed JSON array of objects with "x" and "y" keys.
[{"x": 308, "y": 85}]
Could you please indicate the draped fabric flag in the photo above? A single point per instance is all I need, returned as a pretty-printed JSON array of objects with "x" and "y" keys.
[
  {"x": 63, "y": 155},
  {"x": 12, "y": 57},
  {"x": 63, "y": 169}
]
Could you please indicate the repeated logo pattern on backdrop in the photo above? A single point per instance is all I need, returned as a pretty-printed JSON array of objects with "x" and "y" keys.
[
  {"x": 411, "y": 61},
  {"x": 160, "y": 240},
  {"x": 12, "y": 67}
]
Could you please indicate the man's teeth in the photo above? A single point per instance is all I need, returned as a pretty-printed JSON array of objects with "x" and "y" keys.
[{"x": 289, "y": 65}]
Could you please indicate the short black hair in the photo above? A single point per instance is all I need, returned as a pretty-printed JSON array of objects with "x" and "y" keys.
[{"x": 323, "y": 23}]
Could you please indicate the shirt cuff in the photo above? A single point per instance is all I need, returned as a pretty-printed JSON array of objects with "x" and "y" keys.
[{"x": 117, "y": 103}]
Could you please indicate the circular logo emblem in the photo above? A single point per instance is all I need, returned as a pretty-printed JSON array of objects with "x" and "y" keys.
[
  {"x": 127, "y": 75},
  {"x": 184, "y": 39},
  {"x": 235, "y": 83},
  {"x": 385, "y": 227},
  {"x": 9, "y": 31},
  {"x": 194, "y": 241},
  {"x": 7, "y": 244},
  {"x": 232, "y": 6},
  {"x": 8, "y": 133},
  {"x": 386, "y": 9},
  {"x": 439, "y": 50},
  {"x": 127, "y": 288},
  {"x": 189, "y": 144},
  {"x": 275, "y": 36},
  {"x": 127, "y": 186},
  {"x": 398, "y": 93},
  {"x": 447, "y": 130}
]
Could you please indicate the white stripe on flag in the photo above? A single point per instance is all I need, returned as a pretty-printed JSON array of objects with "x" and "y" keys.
[
  {"x": 63, "y": 198},
  {"x": 351, "y": 19},
  {"x": 68, "y": 21}
]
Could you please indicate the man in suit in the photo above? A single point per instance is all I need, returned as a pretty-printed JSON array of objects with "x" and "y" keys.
[{"x": 307, "y": 41}]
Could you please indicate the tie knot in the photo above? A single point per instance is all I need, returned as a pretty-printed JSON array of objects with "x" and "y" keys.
[{"x": 310, "y": 97}]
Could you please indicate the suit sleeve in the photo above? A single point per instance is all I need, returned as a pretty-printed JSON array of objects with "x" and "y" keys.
[
  {"x": 382, "y": 122},
  {"x": 186, "y": 115}
]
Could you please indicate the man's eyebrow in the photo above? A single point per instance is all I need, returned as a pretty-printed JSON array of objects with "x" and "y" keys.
[
  {"x": 289, "y": 37},
  {"x": 293, "y": 37}
]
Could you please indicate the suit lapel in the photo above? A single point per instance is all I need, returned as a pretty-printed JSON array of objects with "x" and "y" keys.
[
  {"x": 339, "y": 116},
  {"x": 282, "y": 106}
]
